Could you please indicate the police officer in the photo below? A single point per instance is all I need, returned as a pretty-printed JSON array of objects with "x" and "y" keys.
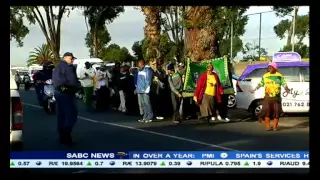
[{"x": 66, "y": 85}]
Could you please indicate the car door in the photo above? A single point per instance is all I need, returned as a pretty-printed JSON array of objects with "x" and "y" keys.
[
  {"x": 297, "y": 100},
  {"x": 244, "y": 97}
]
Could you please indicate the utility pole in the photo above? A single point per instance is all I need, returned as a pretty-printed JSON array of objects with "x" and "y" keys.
[
  {"x": 260, "y": 36},
  {"x": 295, "y": 12},
  {"x": 231, "y": 41},
  {"x": 260, "y": 13}
]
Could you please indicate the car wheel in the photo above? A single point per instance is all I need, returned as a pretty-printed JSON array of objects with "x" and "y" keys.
[
  {"x": 232, "y": 101},
  {"x": 256, "y": 110}
]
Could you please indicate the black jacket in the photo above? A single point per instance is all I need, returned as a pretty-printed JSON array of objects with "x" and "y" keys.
[{"x": 123, "y": 81}]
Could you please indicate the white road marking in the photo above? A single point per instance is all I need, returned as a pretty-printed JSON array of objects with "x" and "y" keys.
[
  {"x": 81, "y": 171},
  {"x": 149, "y": 132}
]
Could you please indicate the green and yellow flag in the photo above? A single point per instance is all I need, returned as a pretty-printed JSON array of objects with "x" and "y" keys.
[{"x": 195, "y": 69}]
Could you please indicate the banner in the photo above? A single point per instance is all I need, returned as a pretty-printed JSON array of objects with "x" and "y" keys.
[
  {"x": 161, "y": 159},
  {"x": 157, "y": 163},
  {"x": 162, "y": 155},
  {"x": 195, "y": 69}
]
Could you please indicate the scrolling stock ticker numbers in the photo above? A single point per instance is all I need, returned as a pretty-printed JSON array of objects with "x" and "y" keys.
[{"x": 183, "y": 159}]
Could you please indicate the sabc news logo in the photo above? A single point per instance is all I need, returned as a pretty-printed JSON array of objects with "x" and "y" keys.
[{"x": 121, "y": 155}]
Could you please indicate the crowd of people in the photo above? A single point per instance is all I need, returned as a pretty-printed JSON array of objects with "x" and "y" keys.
[{"x": 151, "y": 93}]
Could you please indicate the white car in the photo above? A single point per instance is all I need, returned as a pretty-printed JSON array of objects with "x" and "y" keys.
[
  {"x": 16, "y": 116},
  {"x": 296, "y": 75},
  {"x": 232, "y": 101}
]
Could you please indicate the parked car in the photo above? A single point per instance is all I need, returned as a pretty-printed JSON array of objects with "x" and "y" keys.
[
  {"x": 232, "y": 101},
  {"x": 296, "y": 75},
  {"x": 16, "y": 116}
]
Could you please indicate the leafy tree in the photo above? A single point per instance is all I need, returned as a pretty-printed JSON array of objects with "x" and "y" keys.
[
  {"x": 301, "y": 28},
  {"x": 152, "y": 32},
  {"x": 103, "y": 38},
  {"x": 114, "y": 53},
  {"x": 209, "y": 26},
  {"x": 300, "y": 48},
  {"x": 285, "y": 27},
  {"x": 251, "y": 52},
  {"x": 98, "y": 36},
  {"x": 17, "y": 29},
  {"x": 166, "y": 47},
  {"x": 225, "y": 16},
  {"x": 137, "y": 49},
  {"x": 172, "y": 22},
  {"x": 282, "y": 11},
  {"x": 225, "y": 44},
  {"x": 49, "y": 23},
  {"x": 40, "y": 54}
]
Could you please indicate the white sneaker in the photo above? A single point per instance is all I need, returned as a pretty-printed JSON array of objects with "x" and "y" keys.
[
  {"x": 160, "y": 118},
  {"x": 227, "y": 120},
  {"x": 141, "y": 120},
  {"x": 147, "y": 121},
  {"x": 213, "y": 118},
  {"x": 219, "y": 117}
]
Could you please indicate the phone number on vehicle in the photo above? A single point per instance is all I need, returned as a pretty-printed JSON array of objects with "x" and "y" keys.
[{"x": 295, "y": 104}]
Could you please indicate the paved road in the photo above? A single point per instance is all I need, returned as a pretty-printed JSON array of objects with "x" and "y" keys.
[{"x": 113, "y": 131}]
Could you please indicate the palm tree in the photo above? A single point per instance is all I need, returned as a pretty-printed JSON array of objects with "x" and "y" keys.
[
  {"x": 40, "y": 54},
  {"x": 152, "y": 32}
]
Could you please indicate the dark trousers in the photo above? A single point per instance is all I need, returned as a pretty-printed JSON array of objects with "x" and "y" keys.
[
  {"x": 176, "y": 102},
  {"x": 39, "y": 92},
  {"x": 115, "y": 99},
  {"x": 67, "y": 113},
  {"x": 103, "y": 98},
  {"x": 223, "y": 106},
  {"x": 189, "y": 108},
  {"x": 132, "y": 103},
  {"x": 88, "y": 92},
  {"x": 158, "y": 103}
]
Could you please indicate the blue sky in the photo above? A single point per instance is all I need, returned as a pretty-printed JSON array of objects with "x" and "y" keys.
[{"x": 128, "y": 28}]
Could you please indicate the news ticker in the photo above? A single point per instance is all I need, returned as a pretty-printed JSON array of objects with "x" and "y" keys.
[
  {"x": 166, "y": 155},
  {"x": 127, "y": 163}
]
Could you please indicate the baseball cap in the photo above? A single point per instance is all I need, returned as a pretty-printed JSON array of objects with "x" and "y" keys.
[
  {"x": 69, "y": 54},
  {"x": 170, "y": 67}
]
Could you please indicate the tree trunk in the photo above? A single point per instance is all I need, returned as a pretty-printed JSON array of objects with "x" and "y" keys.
[
  {"x": 200, "y": 36},
  {"x": 290, "y": 33},
  {"x": 95, "y": 44},
  {"x": 152, "y": 31}
]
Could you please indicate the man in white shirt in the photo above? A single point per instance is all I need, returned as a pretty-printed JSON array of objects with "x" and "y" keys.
[
  {"x": 86, "y": 79},
  {"x": 102, "y": 89}
]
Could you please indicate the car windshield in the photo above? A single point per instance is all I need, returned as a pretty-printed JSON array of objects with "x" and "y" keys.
[
  {"x": 291, "y": 74},
  {"x": 22, "y": 73},
  {"x": 33, "y": 71}
]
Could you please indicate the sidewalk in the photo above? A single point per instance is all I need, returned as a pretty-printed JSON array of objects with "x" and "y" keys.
[{"x": 294, "y": 122}]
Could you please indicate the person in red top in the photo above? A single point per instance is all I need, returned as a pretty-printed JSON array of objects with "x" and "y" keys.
[{"x": 208, "y": 92}]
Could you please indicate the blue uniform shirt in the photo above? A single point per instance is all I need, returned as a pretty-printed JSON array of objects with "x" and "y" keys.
[
  {"x": 44, "y": 75},
  {"x": 64, "y": 75}
]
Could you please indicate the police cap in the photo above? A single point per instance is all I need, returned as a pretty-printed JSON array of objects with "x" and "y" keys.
[{"x": 69, "y": 54}]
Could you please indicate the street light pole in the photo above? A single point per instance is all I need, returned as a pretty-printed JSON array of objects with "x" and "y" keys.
[{"x": 295, "y": 10}]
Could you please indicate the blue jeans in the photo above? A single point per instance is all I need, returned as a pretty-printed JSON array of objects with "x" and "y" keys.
[{"x": 144, "y": 100}]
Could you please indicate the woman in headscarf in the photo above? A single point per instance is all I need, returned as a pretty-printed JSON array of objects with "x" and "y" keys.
[
  {"x": 271, "y": 104},
  {"x": 208, "y": 92}
]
